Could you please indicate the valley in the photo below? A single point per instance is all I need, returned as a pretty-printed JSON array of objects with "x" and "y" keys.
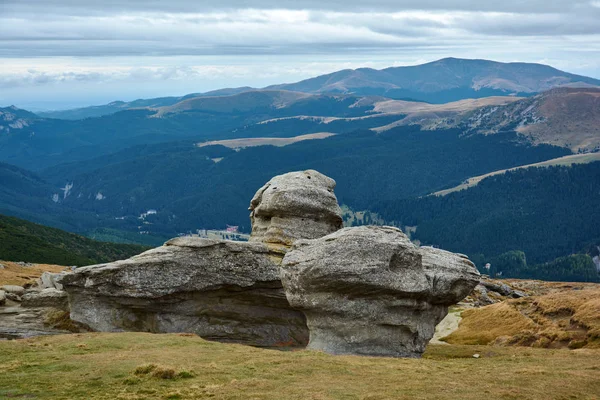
[{"x": 196, "y": 159}]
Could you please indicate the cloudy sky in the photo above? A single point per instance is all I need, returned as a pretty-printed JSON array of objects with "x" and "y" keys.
[{"x": 63, "y": 53}]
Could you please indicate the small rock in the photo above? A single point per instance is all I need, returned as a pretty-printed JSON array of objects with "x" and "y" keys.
[
  {"x": 13, "y": 297},
  {"x": 2, "y": 297},
  {"x": 482, "y": 296},
  {"x": 476, "y": 355},
  {"x": 502, "y": 289},
  {"x": 25, "y": 264},
  {"x": 14, "y": 289},
  {"x": 517, "y": 294},
  {"x": 2, "y": 266},
  {"x": 51, "y": 280}
]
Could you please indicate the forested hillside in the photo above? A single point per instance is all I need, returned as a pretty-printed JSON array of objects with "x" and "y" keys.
[
  {"x": 546, "y": 213},
  {"x": 191, "y": 191},
  {"x": 24, "y": 241}
]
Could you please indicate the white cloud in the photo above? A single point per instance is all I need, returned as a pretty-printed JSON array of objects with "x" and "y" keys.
[{"x": 75, "y": 45}]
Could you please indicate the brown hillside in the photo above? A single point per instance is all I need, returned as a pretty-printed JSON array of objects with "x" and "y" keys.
[{"x": 567, "y": 316}]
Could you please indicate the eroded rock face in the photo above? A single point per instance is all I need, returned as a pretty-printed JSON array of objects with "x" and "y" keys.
[
  {"x": 49, "y": 297},
  {"x": 296, "y": 205},
  {"x": 370, "y": 291},
  {"x": 220, "y": 290}
]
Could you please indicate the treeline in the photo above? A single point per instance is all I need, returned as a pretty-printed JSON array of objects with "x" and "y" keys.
[
  {"x": 513, "y": 264},
  {"x": 546, "y": 213},
  {"x": 24, "y": 241}
]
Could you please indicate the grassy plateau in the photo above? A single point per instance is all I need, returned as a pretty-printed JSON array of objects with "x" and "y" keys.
[{"x": 180, "y": 366}]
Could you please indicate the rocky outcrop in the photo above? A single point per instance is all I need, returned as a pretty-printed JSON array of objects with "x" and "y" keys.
[
  {"x": 220, "y": 290},
  {"x": 13, "y": 289},
  {"x": 49, "y": 297},
  {"x": 370, "y": 291},
  {"x": 364, "y": 290},
  {"x": 51, "y": 280},
  {"x": 296, "y": 205}
]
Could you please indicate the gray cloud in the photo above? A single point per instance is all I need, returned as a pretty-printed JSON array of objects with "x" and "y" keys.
[{"x": 192, "y": 6}]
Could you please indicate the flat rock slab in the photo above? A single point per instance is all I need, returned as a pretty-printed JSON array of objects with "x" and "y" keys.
[{"x": 221, "y": 290}]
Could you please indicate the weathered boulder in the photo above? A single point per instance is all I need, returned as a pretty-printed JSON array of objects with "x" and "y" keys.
[
  {"x": 370, "y": 291},
  {"x": 51, "y": 280},
  {"x": 2, "y": 297},
  {"x": 296, "y": 205},
  {"x": 49, "y": 297},
  {"x": 13, "y": 289},
  {"x": 451, "y": 276},
  {"x": 221, "y": 290}
]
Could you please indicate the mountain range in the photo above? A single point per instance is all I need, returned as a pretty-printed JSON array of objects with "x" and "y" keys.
[
  {"x": 442, "y": 81},
  {"x": 389, "y": 137}
]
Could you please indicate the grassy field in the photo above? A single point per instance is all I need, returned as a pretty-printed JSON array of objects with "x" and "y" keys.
[
  {"x": 147, "y": 366},
  {"x": 265, "y": 141}
]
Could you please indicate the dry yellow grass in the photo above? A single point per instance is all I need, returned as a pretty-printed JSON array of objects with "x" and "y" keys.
[
  {"x": 407, "y": 107},
  {"x": 264, "y": 141},
  {"x": 558, "y": 319},
  {"x": 103, "y": 366},
  {"x": 14, "y": 274}
]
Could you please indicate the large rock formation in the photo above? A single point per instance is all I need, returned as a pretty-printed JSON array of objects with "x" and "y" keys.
[
  {"x": 370, "y": 291},
  {"x": 221, "y": 290},
  {"x": 296, "y": 205},
  {"x": 364, "y": 290}
]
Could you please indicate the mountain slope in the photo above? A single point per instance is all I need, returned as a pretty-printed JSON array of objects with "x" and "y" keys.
[
  {"x": 567, "y": 117},
  {"x": 116, "y": 106},
  {"x": 191, "y": 191},
  {"x": 444, "y": 80},
  {"x": 441, "y": 81},
  {"x": 564, "y": 161},
  {"x": 42, "y": 143},
  {"x": 544, "y": 212},
  {"x": 24, "y": 241}
]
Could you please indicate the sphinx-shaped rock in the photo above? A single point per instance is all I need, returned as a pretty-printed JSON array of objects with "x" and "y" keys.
[
  {"x": 296, "y": 205},
  {"x": 221, "y": 290},
  {"x": 370, "y": 291}
]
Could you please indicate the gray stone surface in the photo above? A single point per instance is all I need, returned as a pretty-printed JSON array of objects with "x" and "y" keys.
[
  {"x": 296, "y": 205},
  {"x": 14, "y": 289},
  {"x": 51, "y": 280},
  {"x": 220, "y": 290},
  {"x": 13, "y": 297},
  {"x": 49, "y": 297},
  {"x": 2, "y": 297},
  {"x": 503, "y": 289},
  {"x": 370, "y": 291}
]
